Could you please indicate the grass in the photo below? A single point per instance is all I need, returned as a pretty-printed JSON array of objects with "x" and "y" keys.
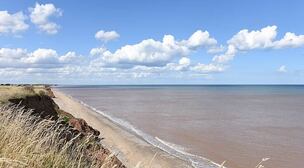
[
  {"x": 26, "y": 141},
  {"x": 19, "y": 92},
  {"x": 10, "y": 92}
]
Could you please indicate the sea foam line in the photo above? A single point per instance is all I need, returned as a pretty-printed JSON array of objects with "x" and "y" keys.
[{"x": 195, "y": 160}]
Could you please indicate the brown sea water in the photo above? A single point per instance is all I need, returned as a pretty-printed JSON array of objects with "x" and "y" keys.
[{"x": 239, "y": 124}]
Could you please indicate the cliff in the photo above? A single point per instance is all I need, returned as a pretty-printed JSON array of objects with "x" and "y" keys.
[{"x": 38, "y": 105}]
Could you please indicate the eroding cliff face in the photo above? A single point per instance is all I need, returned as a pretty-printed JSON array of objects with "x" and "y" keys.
[
  {"x": 44, "y": 107},
  {"x": 82, "y": 126},
  {"x": 41, "y": 105}
]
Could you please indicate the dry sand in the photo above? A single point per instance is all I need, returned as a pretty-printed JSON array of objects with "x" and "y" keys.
[{"x": 130, "y": 149}]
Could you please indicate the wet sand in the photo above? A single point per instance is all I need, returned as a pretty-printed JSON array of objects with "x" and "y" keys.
[{"x": 131, "y": 149}]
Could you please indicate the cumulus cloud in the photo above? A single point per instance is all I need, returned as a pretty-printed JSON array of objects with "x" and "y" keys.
[
  {"x": 208, "y": 68},
  {"x": 148, "y": 52},
  {"x": 227, "y": 56},
  {"x": 289, "y": 40},
  {"x": 282, "y": 69},
  {"x": 97, "y": 51},
  {"x": 10, "y": 72},
  {"x": 10, "y": 53},
  {"x": 12, "y": 23},
  {"x": 41, "y": 14},
  {"x": 10, "y": 58},
  {"x": 184, "y": 61},
  {"x": 200, "y": 39},
  {"x": 246, "y": 40},
  {"x": 106, "y": 36},
  {"x": 216, "y": 49},
  {"x": 182, "y": 64},
  {"x": 40, "y": 58},
  {"x": 70, "y": 57},
  {"x": 152, "y": 52}
]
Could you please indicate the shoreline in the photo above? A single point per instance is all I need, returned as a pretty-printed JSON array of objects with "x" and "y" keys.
[{"x": 131, "y": 149}]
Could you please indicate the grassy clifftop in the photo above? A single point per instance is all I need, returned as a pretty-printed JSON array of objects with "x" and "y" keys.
[{"x": 34, "y": 132}]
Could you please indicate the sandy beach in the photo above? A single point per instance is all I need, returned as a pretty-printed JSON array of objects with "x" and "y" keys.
[{"x": 129, "y": 148}]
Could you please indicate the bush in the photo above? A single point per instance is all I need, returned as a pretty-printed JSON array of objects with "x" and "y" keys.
[
  {"x": 29, "y": 89},
  {"x": 65, "y": 119},
  {"x": 41, "y": 93}
]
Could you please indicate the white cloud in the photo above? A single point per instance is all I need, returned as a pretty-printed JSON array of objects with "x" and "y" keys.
[
  {"x": 216, "y": 49},
  {"x": 282, "y": 69},
  {"x": 106, "y": 35},
  {"x": 182, "y": 64},
  {"x": 200, "y": 39},
  {"x": 227, "y": 56},
  {"x": 184, "y": 61},
  {"x": 12, "y": 57},
  {"x": 97, "y": 51},
  {"x": 10, "y": 72},
  {"x": 289, "y": 40},
  {"x": 12, "y": 23},
  {"x": 208, "y": 68},
  {"x": 70, "y": 57},
  {"x": 41, "y": 14},
  {"x": 40, "y": 58},
  {"x": 12, "y": 53},
  {"x": 246, "y": 40},
  {"x": 151, "y": 52},
  {"x": 148, "y": 52}
]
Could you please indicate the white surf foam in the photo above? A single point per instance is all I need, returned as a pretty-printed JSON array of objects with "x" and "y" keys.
[{"x": 172, "y": 149}]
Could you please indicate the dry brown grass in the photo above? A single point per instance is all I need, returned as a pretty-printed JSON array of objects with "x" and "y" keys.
[
  {"x": 8, "y": 92},
  {"x": 27, "y": 142}
]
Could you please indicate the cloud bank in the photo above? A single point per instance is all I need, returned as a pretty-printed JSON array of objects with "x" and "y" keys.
[{"x": 149, "y": 57}]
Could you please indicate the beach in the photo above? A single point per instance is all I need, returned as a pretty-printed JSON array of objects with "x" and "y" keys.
[{"x": 129, "y": 148}]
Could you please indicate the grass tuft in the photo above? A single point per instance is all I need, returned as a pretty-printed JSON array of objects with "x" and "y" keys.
[{"x": 27, "y": 141}]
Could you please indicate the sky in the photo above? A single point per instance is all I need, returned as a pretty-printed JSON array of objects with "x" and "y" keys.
[{"x": 152, "y": 42}]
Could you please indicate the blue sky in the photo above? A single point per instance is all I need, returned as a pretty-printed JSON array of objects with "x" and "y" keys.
[{"x": 53, "y": 42}]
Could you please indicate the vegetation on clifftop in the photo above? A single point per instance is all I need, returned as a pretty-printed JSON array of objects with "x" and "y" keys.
[{"x": 34, "y": 132}]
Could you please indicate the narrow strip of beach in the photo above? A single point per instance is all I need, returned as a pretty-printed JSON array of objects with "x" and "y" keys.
[{"x": 129, "y": 148}]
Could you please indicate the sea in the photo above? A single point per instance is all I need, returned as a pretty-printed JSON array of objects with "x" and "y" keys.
[{"x": 239, "y": 124}]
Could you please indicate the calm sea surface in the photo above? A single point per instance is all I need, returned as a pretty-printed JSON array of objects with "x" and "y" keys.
[{"x": 239, "y": 124}]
